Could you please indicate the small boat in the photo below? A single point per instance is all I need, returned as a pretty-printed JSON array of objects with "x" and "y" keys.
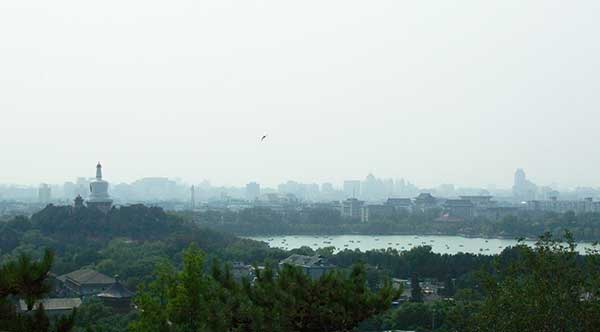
[{"x": 460, "y": 245}]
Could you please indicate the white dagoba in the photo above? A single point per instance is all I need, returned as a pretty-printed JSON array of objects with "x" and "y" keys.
[{"x": 99, "y": 197}]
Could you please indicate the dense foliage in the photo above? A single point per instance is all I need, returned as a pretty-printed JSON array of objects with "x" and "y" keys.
[
  {"x": 192, "y": 300},
  {"x": 545, "y": 288}
]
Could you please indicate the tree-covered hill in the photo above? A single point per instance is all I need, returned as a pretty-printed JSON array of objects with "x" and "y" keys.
[{"x": 128, "y": 240}]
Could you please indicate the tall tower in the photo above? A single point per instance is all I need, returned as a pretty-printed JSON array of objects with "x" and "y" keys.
[
  {"x": 252, "y": 191},
  {"x": 193, "y": 198},
  {"x": 520, "y": 178},
  {"x": 44, "y": 193},
  {"x": 98, "y": 197}
]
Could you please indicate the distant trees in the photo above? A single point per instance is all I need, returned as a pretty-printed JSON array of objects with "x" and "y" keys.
[
  {"x": 309, "y": 220},
  {"x": 191, "y": 300}
]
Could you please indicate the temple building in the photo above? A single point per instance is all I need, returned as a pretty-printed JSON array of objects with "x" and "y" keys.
[
  {"x": 117, "y": 297},
  {"x": 99, "y": 197},
  {"x": 85, "y": 282}
]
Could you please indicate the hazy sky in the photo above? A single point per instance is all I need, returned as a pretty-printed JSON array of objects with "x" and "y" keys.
[{"x": 433, "y": 91}]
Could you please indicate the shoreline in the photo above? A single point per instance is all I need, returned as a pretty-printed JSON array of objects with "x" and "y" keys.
[{"x": 464, "y": 236}]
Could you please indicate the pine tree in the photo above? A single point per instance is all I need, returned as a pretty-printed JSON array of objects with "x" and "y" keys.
[
  {"x": 26, "y": 279},
  {"x": 416, "y": 293}
]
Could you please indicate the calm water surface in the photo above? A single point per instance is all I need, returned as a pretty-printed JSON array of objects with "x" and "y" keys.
[{"x": 438, "y": 243}]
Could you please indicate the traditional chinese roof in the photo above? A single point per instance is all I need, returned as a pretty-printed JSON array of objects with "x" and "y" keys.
[
  {"x": 87, "y": 276},
  {"x": 54, "y": 304},
  {"x": 450, "y": 203},
  {"x": 399, "y": 201},
  {"x": 426, "y": 197},
  {"x": 117, "y": 291},
  {"x": 306, "y": 261}
]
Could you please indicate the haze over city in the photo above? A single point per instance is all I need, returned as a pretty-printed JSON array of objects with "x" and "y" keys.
[
  {"x": 451, "y": 92},
  {"x": 301, "y": 166}
]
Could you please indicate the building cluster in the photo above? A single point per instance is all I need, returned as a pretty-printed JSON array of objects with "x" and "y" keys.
[
  {"x": 71, "y": 289},
  {"x": 360, "y": 199},
  {"x": 459, "y": 209},
  {"x": 554, "y": 205}
]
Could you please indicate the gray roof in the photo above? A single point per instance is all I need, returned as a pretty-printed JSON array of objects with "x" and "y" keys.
[
  {"x": 458, "y": 203},
  {"x": 117, "y": 291},
  {"x": 87, "y": 276},
  {"x": 307, "y": 261},
  {"x": 425, "y": 197},
  {"x": 54, "y": 304},
  {"x": 393, "y": 201}
]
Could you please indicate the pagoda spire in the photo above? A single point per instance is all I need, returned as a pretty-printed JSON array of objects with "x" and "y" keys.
[{"x": 99, "y": 171}]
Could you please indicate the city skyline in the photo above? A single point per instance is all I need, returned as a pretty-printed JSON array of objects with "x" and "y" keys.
[
  {"x": 339, "y": 185},
  {"x": 369, "y": 186}
]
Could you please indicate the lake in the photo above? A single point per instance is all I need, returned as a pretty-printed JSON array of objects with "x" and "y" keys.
[{"x": 439, "y": 244}]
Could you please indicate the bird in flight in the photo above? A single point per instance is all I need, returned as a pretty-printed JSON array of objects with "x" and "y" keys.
[{"x": 263, "y": 138}]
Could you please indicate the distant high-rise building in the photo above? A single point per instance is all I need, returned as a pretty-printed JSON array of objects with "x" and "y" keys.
[
  {"x": 327, "y": 188},
  {"x": 44, "y": 193},
  {"x": 81, "y": 187},
  {"x": 523, "y": 189},
  {"x": 192, "y": 198},
  {"x": 520, "y": 178},
  {"x": 99, "y": 197},
  {"x": 252, "y": 191},
  {"x": 373, "y": 188},
  {"x": 352, "y": 188}
]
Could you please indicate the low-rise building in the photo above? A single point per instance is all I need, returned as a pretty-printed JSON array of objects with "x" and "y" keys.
[
  {"x": 53, "y": 307},
  {"x": 562, "y": 206},
  {"x": 400, "y": 204},
  {"x": 86, "y": 282},
  {"x": 351, "y": 208},
  {"x": 117, "y": 297},
  {"x": 458, "y": 208},
  {"x": 314, "y": 266},
  {"x": 425, "y": 201},
  {"x": 376, "y": 212},
  {"x": 480, "y": 201}
]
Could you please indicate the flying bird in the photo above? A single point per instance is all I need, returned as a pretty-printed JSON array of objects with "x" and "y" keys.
[{"x": 263, "y": 138}]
